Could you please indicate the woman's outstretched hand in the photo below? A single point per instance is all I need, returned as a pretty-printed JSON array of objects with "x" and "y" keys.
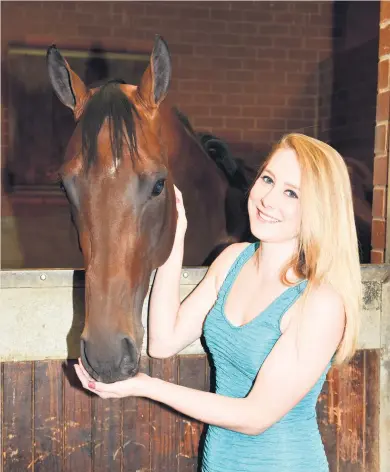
[{"x": 134, "y": 387}]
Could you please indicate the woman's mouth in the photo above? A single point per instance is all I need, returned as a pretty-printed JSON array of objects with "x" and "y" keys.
[{"x": 266, "y": 218}]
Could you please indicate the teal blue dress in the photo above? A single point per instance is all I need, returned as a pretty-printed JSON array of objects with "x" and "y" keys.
[{"x": 293, "y": 444}]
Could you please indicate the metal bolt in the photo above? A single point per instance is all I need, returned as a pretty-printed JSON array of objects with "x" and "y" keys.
[
  {"x": 43, "y": 277},
  {"x": 185, "y": 275}
]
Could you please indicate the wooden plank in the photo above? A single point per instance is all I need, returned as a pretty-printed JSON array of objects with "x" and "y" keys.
[
  {"x": 1, "y": 416},
  {"x": 136, "y": 430},
  {"x": 351, "y": 411},
  {"x": 164, "y": 421},
  {"x": 192, "y": 374},
  {"x": 77, "y": 424},
  {"x": 326, "y": 416},
  {"x": 371, "y": 438},
  {"x": 17, "y": 417},
  {"x": 48, "y": 416},
  {"x": 106, "y": 434},
  {"x": 384, "y": 380}
]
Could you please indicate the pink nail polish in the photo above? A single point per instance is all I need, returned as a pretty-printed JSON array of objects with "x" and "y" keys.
[{"x": 91, "y": 384}]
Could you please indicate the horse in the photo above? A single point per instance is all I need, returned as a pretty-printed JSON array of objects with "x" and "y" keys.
[{"x": 129, "y": 147}]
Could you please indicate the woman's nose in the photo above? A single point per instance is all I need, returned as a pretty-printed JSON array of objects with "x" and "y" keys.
[{"x": 269, "y": 199}]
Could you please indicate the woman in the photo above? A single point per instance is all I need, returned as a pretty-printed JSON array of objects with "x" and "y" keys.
[{"x": 275, "y": 316}]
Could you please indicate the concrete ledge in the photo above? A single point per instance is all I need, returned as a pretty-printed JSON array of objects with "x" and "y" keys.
[{"x": 42, "y": 311}]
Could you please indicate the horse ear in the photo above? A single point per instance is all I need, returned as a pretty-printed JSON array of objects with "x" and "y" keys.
[
  {"x": 155, "y": 80},
  {"x": 68, "y": 86}
]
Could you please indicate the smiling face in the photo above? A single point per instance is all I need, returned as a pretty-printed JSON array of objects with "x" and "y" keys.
[{"x": 274, "y": 201}]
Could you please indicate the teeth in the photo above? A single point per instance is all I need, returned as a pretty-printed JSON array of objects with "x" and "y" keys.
[{"x": 268, "y": 218}]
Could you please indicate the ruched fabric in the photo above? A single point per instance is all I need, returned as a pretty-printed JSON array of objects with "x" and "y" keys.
[{"x": 293, "y": 444}]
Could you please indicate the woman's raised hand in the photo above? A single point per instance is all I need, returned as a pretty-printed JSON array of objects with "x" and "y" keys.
[{"x": 181, "y": 227}]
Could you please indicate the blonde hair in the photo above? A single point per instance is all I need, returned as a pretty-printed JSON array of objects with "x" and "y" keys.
[{"x": 328, "y": 246}]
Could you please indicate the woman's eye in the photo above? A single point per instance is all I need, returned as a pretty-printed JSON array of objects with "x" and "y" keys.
[
  {"x": 267, "y": 179},
  {"x": 62, "y": 187},
  {"x": 158, "y": 187},
  {"x": 291, "y": 194}
]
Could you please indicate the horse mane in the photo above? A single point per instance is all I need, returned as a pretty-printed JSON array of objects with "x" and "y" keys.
[{"x": 112, "y": 104}]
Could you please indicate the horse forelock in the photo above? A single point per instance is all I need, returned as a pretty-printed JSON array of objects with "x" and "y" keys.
[{"x": 110, "y": 103}]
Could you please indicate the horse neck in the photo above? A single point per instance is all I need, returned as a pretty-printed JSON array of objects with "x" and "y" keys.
[{"x": 187, "y": 158}]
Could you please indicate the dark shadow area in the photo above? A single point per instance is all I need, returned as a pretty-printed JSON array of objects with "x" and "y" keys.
[
  {"x": 38, "y": 231},
  {"x": 353, "y": 103}
]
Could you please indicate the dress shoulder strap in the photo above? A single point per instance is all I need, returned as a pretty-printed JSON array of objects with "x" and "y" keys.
[{"x": 235, "y": 268}]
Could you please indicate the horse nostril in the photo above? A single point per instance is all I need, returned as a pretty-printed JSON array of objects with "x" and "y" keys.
[{"x": 129, "y": 353}]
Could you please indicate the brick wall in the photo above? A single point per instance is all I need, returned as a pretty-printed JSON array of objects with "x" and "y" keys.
[
  {"x": 380, "y": 211},
  {"x": 247, "y": 71}
]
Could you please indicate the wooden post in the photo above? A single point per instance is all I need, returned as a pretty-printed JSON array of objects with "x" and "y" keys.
[{"x": 384, "y": 379}]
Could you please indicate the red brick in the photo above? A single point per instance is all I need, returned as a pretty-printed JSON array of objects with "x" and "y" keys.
[
  {"x": 258, "y": 16},
  {"x": 247, "y": 28},
  {"x": 228, "y": 87},
  {"x": 380, "y": 170},
  {"x": 379, "y": 203},
  {"x": 271, "y": 53},
  {"x": 381, "y": 139},
  {"x": 193, "y": 12},
  {"x": 384, "y": 40},
  {"x": 232, "y": 135},
  {"x": 227, "y": 39},
  {"x": 383, "y": 74},
  {"x": 377, "y": 256},
  {"x": 197, "y": 110},
  {"x": 385, "y": 11},
  {"x": 211, "y": 25},
  {"x": 258, "y": 64},
  {"x": 241, "y": 51},
  {"x": 277, "y": 124},
  {"x": 256, "y": 111},
  {"x": 378, "y": 234},
  {"x": 227, "y": 15},
  {"x": 227, "y": 63},
  {"x": 240, "y": 123},
  {"x": 240, "y": 75},
  {"x": 306, "y": 7},
  {"x": 208, "y": 122},
  {"x": 383, "y": 106},
  {"x": 226, "y": 111}
]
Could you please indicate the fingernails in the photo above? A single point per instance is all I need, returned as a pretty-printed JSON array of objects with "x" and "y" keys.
[{"x": 91, "y": 384}]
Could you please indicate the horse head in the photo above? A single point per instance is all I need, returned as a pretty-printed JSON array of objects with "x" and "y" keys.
[{"x": 118, "y": 181}]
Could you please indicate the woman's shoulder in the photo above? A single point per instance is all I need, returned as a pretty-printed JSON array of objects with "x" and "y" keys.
[
  {"x": 324, "y": 300},
  {"x": 226, "y": 259}
]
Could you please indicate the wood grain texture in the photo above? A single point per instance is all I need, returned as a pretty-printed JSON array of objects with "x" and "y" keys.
[
  {"x": 191, "y": 374},
  {"x": 17, "y": 417},
  {"x": 136, "y": 446},
  {"x": 327, "y": 419},
  {"x": 164, "y": 421},
  {"x": 50, "y": 424},
  {"x": 351, "y": 412},
  {"x": 106, "y": 434},
  {"x": 77, "y": 424},
  {"x": 371, "y": 437},
  {"x": 48, "y": 417},
  {"x": 1, "y": 416}
]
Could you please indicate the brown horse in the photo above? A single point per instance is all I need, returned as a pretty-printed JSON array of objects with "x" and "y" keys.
[{"x": 128, "y": 149}]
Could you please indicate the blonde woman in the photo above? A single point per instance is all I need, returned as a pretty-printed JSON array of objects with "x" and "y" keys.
[{"x": 275, "y": 315}]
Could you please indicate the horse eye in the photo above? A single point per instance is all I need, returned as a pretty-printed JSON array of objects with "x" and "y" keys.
[{"x": 158, "y": 187}]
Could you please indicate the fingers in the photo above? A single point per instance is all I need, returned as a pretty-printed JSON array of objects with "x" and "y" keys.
[{"x": 90, "y": 384}]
